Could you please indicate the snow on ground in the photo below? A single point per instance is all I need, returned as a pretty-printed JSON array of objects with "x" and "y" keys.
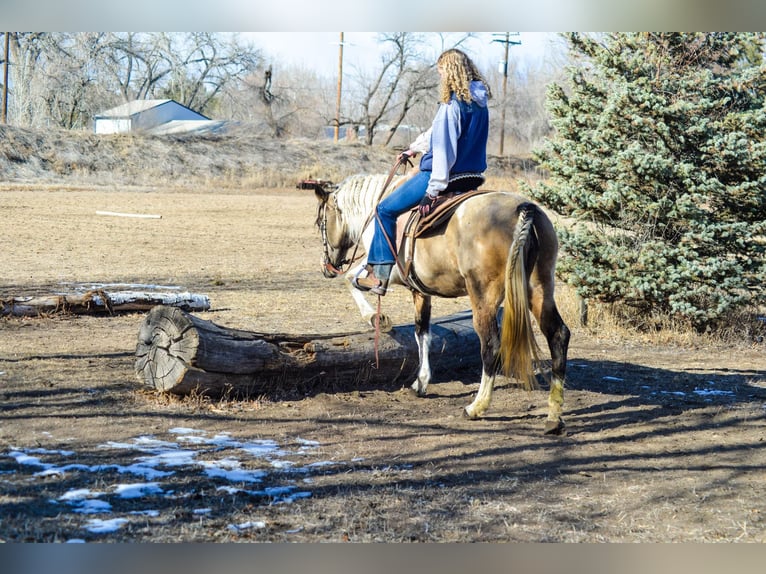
[{"x": 219, "y": 457}]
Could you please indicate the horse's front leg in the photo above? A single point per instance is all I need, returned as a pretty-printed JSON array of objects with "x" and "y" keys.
[
  {"x": 423, "y": 338},
  {"x": 367, "y": 311}
]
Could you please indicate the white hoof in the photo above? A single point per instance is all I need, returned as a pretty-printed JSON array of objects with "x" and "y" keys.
[{"x": 419, "y": 388}]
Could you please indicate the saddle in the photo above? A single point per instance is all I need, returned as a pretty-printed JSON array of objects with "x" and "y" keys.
[{"x": 411, "y": 226}]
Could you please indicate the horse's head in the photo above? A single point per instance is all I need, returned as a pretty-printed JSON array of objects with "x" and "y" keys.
[{"x": 336, "y": 241}]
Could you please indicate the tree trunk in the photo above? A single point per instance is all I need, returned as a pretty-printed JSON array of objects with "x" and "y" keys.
[
  {"x": 99, "y": 301},
  {"x": 180, "y": 353}
]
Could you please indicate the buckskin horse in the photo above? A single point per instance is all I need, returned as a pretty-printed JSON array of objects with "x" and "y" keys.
[{"x": 498, "y": 248}]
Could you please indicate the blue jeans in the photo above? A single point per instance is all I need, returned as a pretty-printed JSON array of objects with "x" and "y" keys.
[{"x": 402, "y": 199}]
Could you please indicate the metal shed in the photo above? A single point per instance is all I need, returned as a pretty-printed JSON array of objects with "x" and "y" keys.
[{"x": 142, "y": 115}]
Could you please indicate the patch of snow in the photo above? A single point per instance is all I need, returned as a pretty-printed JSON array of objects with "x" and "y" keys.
[
  {"x": 713, "y": 393},
  {"x": 25, "y": 459},
  {"x": 170, "y": 458},
  {"x": 92, "y": 507},
  {"x": 230, "y": 469},
  {"x": 148, "y": 472},
  {"x": 185, "y": 430},
  {"x": 80, "y": 494},
  {"x": 137, "y": 490},
  {"x": 246, "y": 525},
  {"x": 156, "y": 455},
  {"x": 306, "y": 442},
  {"x": 99, "y": 526},
  {"x": 152, "y": 513}
]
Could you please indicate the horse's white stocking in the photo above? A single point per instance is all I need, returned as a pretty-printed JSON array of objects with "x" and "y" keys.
[
  {"x": 554, "y": 424},
  {"x": 424, "y": 372},
  {"x": 483, "y": 397}
]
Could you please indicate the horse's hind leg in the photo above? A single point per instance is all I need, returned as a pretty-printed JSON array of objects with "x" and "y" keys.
[
  {"x": 485, "y": 325},
  {"x": 423, "y": 337},
  {"x": 557, "y": 334}
]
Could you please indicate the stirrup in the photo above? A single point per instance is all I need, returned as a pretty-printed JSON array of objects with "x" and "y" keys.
[
  {"x": 380, "y": 289},
  {"x": 355, "y": 279}
]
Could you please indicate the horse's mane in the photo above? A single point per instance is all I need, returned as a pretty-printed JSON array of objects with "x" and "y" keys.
[{"x": 357, "y": 196}]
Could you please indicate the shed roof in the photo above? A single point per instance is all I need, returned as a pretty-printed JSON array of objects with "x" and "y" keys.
[
  {"x": 136, "y": 106},
  {"x": 131, "y": 108}
]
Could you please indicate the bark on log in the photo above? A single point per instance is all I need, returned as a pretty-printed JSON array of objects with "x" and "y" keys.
[
  {"x": 100, "y": 301},
  {"x": 180, "y": 353}
]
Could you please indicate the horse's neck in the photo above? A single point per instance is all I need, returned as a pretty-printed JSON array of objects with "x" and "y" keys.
[{"x": 357, "y": 199}]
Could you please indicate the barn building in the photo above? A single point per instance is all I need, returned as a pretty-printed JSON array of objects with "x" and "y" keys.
[{"x": 146, "y": 115}]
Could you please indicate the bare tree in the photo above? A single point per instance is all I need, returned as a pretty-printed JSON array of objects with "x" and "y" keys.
[
  {"x": 72, "y": 87},
  {"x": 203, "y": 64},
  {"x": 27, "y": 54},
  {"x": 404, "y": 83},
  {"x": 401, "y": 81},
  {"x": 137, "y": 63},
  {"x": 270, "y": 103}
]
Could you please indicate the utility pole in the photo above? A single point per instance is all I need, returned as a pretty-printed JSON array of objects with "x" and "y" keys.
[
  {"x": 504, "y": 64},
  {"x": 340, "y": 86},
  {"x": 5, "y": 77}
]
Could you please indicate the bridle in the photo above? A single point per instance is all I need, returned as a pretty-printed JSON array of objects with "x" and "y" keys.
[{"x": 326, "y": 244}]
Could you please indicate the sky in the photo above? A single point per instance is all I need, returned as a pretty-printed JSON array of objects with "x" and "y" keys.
[{"x": 320, "y": 50}]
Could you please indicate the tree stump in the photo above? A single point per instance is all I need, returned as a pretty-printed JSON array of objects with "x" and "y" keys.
[{"x": 180, "y": 354}]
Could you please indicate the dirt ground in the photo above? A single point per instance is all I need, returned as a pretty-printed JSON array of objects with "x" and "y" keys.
[{"x": 665, "y": 442}]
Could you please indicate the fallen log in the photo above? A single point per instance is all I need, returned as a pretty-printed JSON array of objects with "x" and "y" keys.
[
  {"x": 179, "y": 353},
  {"x": 100, "y": 301}
]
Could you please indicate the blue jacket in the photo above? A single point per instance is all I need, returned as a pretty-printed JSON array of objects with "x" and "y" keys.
[{"x": 458, "y": 139}]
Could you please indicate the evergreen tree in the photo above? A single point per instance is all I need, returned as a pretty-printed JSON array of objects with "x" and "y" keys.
[{"x": 659, "y": 155}]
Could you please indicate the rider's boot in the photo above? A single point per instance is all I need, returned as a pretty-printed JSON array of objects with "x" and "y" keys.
[{"x": 376, "y": 280}]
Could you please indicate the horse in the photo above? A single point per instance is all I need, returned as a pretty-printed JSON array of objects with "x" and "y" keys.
[{"x": 498, "y": 247}]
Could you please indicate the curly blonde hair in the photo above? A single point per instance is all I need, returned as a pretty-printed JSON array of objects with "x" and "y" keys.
[{"x": 458, "y": 71}]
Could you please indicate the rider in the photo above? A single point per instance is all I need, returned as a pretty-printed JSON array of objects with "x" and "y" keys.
[{"x": 455, "y": 159}]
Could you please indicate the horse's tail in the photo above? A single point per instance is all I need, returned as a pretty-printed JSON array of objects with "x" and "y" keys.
[{"x": 519, "y": 350}]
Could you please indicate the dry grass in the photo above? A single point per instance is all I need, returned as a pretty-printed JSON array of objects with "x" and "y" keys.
[
  {"x": 621, "y": 322},
  {"x": 236, "y": 160}
]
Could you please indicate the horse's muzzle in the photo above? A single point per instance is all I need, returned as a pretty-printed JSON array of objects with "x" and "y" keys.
[{"x": 330, "y": 271}]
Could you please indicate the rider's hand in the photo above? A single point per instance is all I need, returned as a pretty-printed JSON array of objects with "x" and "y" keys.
[
  {"x": 406, "y": 155},
  {"x": 427, "y": 204}
]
